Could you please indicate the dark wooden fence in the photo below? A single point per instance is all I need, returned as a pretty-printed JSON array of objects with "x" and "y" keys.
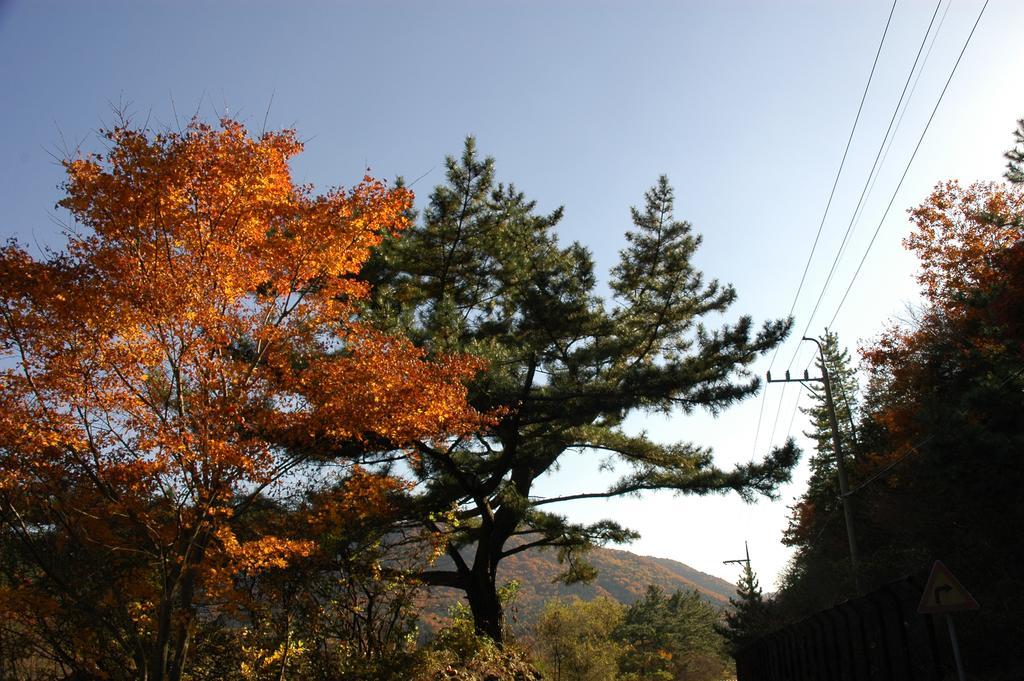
[{"x": 877, "y": 637}]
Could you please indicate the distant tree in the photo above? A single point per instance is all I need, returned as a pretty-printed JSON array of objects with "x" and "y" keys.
[
  {"x": 750, "y": 617},
  {"x": 573, "y": 640},
  {"x": 483, "y": 273},
  {"x": 1015, "y": 156},
  {"x": 671, "y": 638}
]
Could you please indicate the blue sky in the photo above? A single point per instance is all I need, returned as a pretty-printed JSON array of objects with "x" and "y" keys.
[{"x": 746, "y": 106}]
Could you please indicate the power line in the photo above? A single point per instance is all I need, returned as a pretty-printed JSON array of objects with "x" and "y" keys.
[
  {"x": 874, "y": 165},
  {"x": 849, "y": 417},
  {"x": 903, "y": 114},
  {"x": 814, "y": 544},
  {"x": 821, "y": 225},
  {"x": 915, "y": 448},
  {"x": 760, "y": 415},
  {"x": 842, "y": 163},
  {"x": 778, "y": 411},
  {"x": 909, "y": 162},
  {"x": 796, "y": 407}
]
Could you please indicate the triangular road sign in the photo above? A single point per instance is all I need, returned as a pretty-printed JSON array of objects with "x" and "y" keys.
[{"x": 944, "y": 593}]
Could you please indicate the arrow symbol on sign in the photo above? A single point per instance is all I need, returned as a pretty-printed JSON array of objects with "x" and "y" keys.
[{"x": 943, "y": 593}]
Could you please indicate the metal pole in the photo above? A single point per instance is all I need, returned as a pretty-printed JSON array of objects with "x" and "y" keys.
[
  {"x": 956, "y": 648},
  {"x": 844, "y": 487}
]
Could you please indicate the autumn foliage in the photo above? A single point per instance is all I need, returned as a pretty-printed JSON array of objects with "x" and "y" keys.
[
  {"x": 960, "y": 235},
  {"x": 968, "y": 243},
  {"x": 178, "y": 361}
]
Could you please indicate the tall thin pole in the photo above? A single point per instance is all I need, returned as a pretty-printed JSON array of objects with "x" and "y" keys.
[
  {"x": 844, "y": 487},
  {"x": 956, "y": 648},
  {"x": 745, "y": 561}
]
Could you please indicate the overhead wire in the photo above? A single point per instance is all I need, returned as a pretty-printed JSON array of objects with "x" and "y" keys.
[
  {"x": 899, "y": 123},
  {"x": 869, "y": 184},
  {"x": 824, "y": 526},
  {"x": 884, "y": 156},
  {"x": 842, "y": 164},
  {"x": 906, "y": 170},
  {"x": 796, "y": 407},
  {"x": 828, "y": 205},
  {"x": 915, "y": 448},
  {"x": 760, "y": 415},
  {"x": 871, "y": 173},
  {"x": 775, "y": 423}
]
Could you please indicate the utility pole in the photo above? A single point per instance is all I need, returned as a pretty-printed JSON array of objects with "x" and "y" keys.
[
  {"x": 844, "y": 488},
  {"x": 746, "y": 560}
]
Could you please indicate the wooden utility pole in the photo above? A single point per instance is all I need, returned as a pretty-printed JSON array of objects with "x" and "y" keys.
[{"x": 844, "y": 488}]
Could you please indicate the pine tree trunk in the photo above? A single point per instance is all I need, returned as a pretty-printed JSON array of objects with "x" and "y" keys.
[{"x": 488, "y": 615}]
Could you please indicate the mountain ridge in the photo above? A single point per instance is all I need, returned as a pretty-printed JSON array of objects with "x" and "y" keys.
[{"x": 622, "y": 576}]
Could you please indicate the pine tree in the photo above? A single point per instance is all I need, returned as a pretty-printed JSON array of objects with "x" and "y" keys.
[
  {"x": 750, "y": 617},
  {"x": 669, "y": 637},
  {"x": 1015, "y": 156},
  {"x": 483, "y": 272},
  {"x": 823, "y": 486},
  {"x": 820, "y": 569}
]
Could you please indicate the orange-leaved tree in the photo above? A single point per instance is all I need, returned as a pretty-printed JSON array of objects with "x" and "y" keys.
[
  {"x": 158, "y": 373},
  {"x": 970, "y": 244}
]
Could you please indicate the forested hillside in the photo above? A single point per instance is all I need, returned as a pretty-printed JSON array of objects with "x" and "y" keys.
[{"x": 621, "y": 576}]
